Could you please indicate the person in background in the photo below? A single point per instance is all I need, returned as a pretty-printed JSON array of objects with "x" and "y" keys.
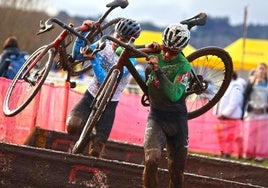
[
  {"x": 255, "y": 117},
  {"x": 11, "y": 51},
  {"x": 101, "y": 64},
  {"x": 229, "y": 110},
  {"x": 167, "y": 123}
]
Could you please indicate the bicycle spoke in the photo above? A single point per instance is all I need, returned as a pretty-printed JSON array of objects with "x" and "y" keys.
[
  {"x": 212, "y": 69},
  {"x": 22, "y": 91}
]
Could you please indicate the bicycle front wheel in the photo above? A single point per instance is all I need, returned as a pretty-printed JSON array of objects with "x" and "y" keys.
[
  {"x": 100, "y": 102},
  {"x": 22, "y": 90},
  {"x": 212, "y": 69},
  {"x": 80, "y": 67}
]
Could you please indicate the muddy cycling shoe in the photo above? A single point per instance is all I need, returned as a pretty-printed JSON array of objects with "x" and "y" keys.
[{"x": 96, "y": 148}]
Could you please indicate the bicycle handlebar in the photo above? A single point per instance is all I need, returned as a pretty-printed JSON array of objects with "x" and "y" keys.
[{"x": 47, "y": 26}]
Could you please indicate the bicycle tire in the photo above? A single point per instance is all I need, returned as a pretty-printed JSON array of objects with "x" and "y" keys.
[
  {"x": 21, "y": 92},
  {"x": 97, "y": 108},
  {"x": 214, "y": 68},
  {"x": 84, "y": 66}
]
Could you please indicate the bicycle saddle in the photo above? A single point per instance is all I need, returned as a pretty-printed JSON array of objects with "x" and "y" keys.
[
  {"x": 118, "y": 3},
  {"x": 199, "y": 19}
]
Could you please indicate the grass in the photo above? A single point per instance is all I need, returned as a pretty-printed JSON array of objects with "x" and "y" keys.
[
  {"x": 252, "y": 161},
  {"x": 249, "y": 161}
]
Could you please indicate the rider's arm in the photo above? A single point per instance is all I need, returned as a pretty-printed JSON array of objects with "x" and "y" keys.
[
  {"x": 99, "y": 72},
  {"x": 153, "y": 45},
  {"x": 120, "y": 48},
  {"x": 96, "y": 62},
  {"x": 78, "y": 43},
  {"x": 173, "y": 90},
  {"x": 172, "y": 86}
]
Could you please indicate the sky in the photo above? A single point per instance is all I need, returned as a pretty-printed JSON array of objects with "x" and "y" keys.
[{"x": 164, "y": 12}]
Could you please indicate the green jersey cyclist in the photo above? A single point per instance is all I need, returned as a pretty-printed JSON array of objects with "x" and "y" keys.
[{"x": 167, "y": 120}]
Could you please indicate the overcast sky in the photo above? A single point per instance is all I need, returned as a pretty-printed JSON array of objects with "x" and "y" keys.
[{"x": 164, "y": 12}]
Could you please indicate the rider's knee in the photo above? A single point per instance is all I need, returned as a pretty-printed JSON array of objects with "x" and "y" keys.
[
  {"x": 152, "y": 157},
  {"x": 74, "y": 125},
  {"x": 177, "y": 162}
]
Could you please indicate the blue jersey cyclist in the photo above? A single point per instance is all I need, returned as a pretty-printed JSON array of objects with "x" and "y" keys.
[
  {"x": 101, "y": 63},
  {"x": 167, "y": 124}
]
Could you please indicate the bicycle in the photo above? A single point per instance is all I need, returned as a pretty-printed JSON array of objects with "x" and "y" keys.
[
  {"x": 35, "y": 70},
  {"x": 210, "y": 77}
]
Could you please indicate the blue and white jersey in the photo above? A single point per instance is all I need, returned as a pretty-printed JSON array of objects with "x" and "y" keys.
[
  {"x": 104, "y": 60},
  {"x": 101, "y": 65}
]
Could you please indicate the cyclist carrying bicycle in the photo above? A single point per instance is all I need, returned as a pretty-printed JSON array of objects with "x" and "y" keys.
[
  {"x": 167, "y": 119},
  {"x": 101, "y": 63}
]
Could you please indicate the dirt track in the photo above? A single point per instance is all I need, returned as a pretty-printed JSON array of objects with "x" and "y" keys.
[{"x": 47, "y": 161}]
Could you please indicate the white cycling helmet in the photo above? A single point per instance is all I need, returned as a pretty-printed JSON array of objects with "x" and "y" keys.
[
  {"x": 176, "y": 36},
  {"x": 128, "y": 28}
]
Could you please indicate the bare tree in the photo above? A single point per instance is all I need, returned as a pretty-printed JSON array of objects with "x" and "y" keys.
[{"x": 22, "y": 20}]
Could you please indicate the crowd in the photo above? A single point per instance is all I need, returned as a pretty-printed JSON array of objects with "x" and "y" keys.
[{"x": 243, "y": 108}]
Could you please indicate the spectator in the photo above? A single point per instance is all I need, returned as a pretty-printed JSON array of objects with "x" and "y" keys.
[
  {"x": 229, "y": 111},
  {"x": 11, "y": 58},
  {"x": 256, "y": 105},
  {"x": 167, "y": 123},
  {"x": 102, "y": 62}
]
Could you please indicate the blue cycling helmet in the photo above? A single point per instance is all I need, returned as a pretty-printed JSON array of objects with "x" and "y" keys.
[{"x": 128, "y": 28}]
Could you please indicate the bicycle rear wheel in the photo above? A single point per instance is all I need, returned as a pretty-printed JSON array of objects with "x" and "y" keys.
[
  {"x": 80, "y": 67},
  {"x": 212, "y": 69},
  {"x": 21, "y": 91},
  {"x": 100, "y": 102}
]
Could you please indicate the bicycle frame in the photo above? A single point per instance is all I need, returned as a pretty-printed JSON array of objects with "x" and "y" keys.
[
  {"x": 59, "y": 42},
  {"x": 130, "y": 51},
  {"x": 56, "y": 45}
]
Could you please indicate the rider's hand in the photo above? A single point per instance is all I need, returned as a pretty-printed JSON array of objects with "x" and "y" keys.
[
  {"x": 87, "y": 53},
  {"x": 153, "y": 60},
  {"x": 90, "y": 23},
  {"x": 153, "y": 45}
]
